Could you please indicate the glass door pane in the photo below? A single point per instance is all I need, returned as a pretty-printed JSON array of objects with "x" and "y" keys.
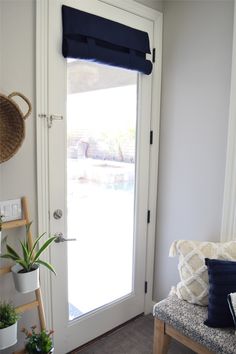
[{"x": 101, "y": 141}]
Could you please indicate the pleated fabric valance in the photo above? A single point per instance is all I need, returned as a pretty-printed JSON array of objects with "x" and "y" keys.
[{"x": 90, "y": 37}]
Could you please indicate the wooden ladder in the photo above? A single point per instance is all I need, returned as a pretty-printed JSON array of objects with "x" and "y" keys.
[{"x": 38, "y": 302}]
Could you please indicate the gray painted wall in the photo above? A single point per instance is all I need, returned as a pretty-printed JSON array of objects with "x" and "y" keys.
[{"x": 197, "y": 49}]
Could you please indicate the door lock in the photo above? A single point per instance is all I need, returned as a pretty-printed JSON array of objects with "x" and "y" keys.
[{"x": 57, "y": 214}]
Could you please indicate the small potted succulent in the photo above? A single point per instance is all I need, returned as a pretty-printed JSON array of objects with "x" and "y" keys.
[
  {"x": 8, "y": 325},
  {"x": 38, "y": 343},
  {"x": 26, "y": 270}
]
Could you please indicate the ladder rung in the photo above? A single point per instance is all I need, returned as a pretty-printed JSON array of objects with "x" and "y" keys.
[
  {"x": 5, "y": 270},
  {"x": 38, "y": 303},
  {"x": 13, "y": 224},
  {"x": 27, "y": 307}
]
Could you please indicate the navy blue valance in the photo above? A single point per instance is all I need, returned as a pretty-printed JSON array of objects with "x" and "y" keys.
[{"x": 90, "y": 37}]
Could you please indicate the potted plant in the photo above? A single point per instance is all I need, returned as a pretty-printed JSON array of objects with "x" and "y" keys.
[
  {"x": 38, "y": 343},
  {"x": 26, "y": 270},
  {"x": 8, "y": 325}
]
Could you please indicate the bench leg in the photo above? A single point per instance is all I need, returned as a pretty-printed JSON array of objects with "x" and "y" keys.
[{"x": 161, "y": 340}]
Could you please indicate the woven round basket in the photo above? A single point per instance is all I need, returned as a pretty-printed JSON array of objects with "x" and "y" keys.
[{"x": 12, "y": 125}]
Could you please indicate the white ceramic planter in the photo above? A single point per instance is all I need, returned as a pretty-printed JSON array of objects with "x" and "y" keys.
[
  {"x": 8, "y": 336},
  {"x": 25, "y": 282}
]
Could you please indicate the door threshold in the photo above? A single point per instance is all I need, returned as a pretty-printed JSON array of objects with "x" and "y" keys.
[{"x": 76, "y": 350}]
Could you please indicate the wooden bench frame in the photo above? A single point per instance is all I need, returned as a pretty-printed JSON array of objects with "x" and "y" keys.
[{"x": 163, "y": 333}]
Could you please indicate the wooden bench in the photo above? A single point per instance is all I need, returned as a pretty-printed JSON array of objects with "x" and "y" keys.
[{"x": 175, "y": 318}]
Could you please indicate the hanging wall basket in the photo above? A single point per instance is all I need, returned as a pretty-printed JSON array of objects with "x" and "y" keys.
[{"x": 12, "y": 125}]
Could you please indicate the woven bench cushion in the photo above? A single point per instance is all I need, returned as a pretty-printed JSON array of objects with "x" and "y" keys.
[{"x": 189, "y": 320}]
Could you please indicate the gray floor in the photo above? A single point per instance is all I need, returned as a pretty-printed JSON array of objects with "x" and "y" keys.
[{"x": 136, "y": 337}]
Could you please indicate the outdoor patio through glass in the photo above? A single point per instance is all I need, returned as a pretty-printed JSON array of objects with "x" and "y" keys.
[{"x": 101, "y": 142}]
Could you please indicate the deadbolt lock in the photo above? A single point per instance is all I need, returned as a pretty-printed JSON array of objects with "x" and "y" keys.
[{"x": 57, "y": 214}]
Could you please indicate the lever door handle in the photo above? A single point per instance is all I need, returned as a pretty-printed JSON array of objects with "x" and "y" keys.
[{"x": 60, "y": 238}]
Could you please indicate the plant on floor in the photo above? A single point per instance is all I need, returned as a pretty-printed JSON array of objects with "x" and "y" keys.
[
  {"x": 30, "y": 258},
  {"x": 38, "y": 342},
  {"x": 8, "y": 315}
]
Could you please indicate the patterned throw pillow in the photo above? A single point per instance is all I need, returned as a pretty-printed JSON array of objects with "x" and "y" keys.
[{"x": 193, "y": 286}]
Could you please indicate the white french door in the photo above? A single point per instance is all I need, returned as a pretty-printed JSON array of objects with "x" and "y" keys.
[{"x": 98, "y": 168}]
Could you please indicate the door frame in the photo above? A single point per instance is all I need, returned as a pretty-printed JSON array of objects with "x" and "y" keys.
[{"x": 42, "y": 115}]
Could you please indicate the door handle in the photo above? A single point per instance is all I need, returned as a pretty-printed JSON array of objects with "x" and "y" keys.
[{"x": 60, "y": 238}]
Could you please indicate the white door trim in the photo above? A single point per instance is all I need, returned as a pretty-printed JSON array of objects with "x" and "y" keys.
[
  {"x": 42, "y": 136},
  {"x": 42, "y": 142},
  {"x": 153, "y": 167},
  {"x": 228, "y": 227}
]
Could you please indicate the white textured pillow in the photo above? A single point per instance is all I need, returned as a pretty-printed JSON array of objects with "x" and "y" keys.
[{"x": 193, "y": 285}]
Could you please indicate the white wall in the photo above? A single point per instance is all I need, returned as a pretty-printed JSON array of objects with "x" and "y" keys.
[
  {"x": 154, "y": 4},
  {"x": 18, "y": 175},
  {"x": 17, "y": 73},
  {"x": 228, "y": 227},
  {"x": 197, "y": 49}
]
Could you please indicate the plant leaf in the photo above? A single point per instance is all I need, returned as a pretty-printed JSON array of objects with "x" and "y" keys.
[
  {"x": 26, "y": 244},
  {"x": 25, "y": 252},
  {"x": 48, "y": 265},
  {"x": 8, "y": 255},
  {"x": 12, "y": 252},
  {"x": 28, "y": 226},
  {"x": 23, "y": 264},
  {"x": 35, "y": 244},
  {"x": 4, "y": 239},
  {"x": 43, "y": 248}
]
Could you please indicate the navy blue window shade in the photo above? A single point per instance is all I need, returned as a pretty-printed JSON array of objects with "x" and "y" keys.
[{"x": 90, "y": 37}]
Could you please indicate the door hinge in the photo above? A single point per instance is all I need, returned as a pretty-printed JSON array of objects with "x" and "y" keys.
[
  {"x": 148, "y": 216},
  {"x": 145, "y": 287},
  {"x": 151, "y": 137},
  {"x": 154, "y": 55}
]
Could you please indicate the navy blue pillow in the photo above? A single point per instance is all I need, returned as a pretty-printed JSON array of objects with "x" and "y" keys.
[{"x": 222, "y": 281}]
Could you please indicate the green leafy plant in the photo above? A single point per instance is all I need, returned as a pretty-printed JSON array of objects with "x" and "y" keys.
[
  {"x": 38, "y": 342},
  {"x": 8, "y": 315},
  {"x": 30, "y": 258},
  {"x": 1, "y": 221}
]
